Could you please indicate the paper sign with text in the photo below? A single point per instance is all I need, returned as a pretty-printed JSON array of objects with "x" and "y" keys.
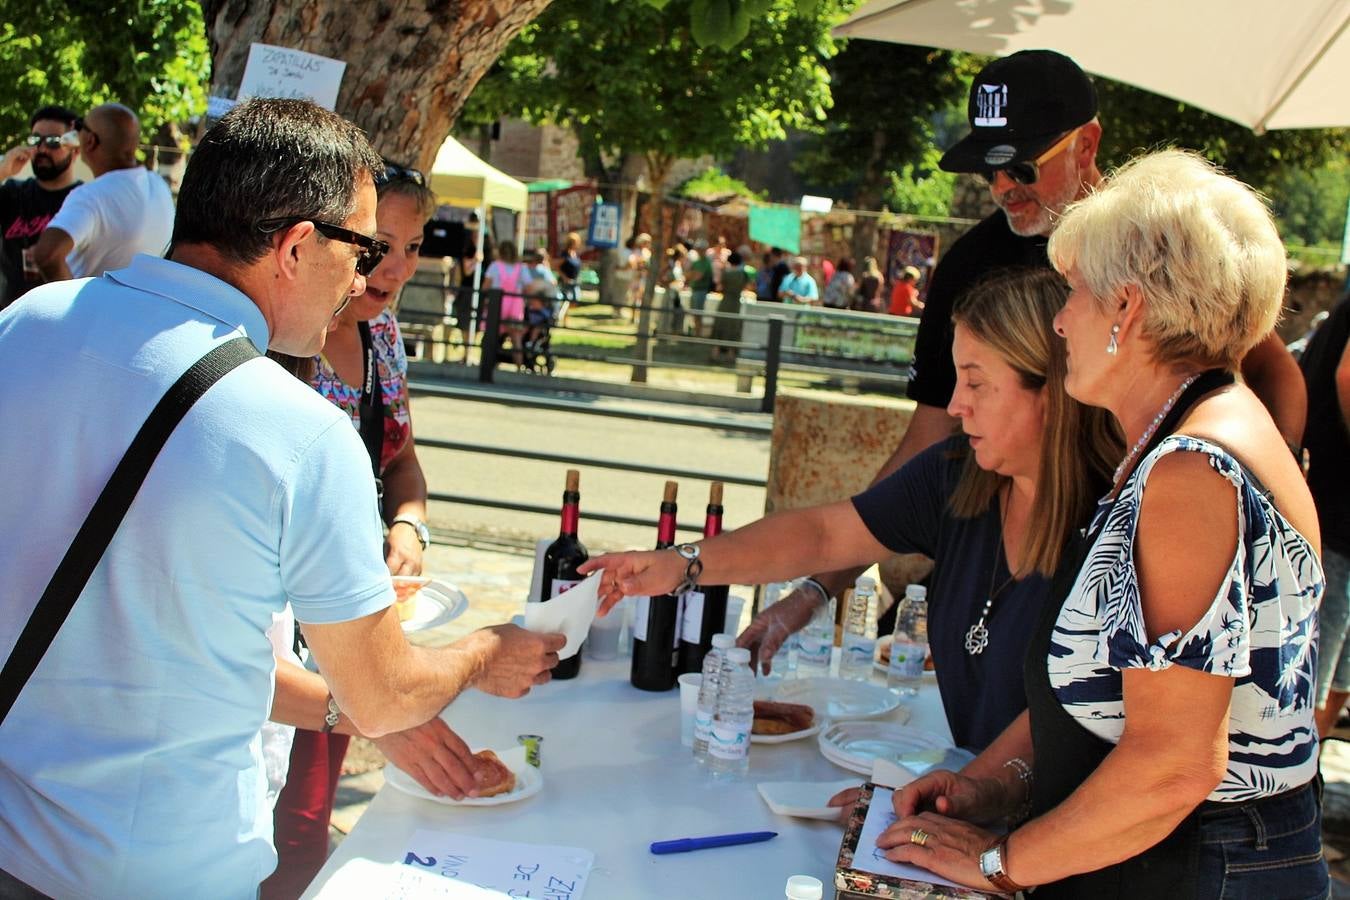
[
  {"x": 291, "y": 74},
  {"x": 508, "y": 868}
]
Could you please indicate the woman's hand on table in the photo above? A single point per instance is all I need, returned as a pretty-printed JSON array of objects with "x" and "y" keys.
[
  {"x": 951, "y": 794},
  {"x": 515, "y": 660},
  {"x": 637, "y": 573},
  {"x": 845, "y": 800},
  {"x": 403, "y": 552},
  {"x": 767, "y": 632},
  {"x": 435, "y": 756},
  {"x": 950, "y": 847}
]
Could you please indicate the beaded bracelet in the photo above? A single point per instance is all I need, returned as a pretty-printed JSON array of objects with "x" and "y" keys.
[{"x": 1024, "y": 775}]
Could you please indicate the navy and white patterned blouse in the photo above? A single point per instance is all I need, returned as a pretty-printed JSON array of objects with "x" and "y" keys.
[{"x": 1261, "y": 629}]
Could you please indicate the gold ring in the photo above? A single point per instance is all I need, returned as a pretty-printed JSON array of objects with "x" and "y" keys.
[{"x": 918, "y": 836}]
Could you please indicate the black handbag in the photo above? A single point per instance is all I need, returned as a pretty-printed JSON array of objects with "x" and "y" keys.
[{"x": 92, "y": 540}]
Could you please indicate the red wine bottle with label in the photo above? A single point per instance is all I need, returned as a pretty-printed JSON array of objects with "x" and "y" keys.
[
  {"x": 561, "y": 560},
  {"x": 656, "y": 620},
  {"x": 704, "y": 610}
]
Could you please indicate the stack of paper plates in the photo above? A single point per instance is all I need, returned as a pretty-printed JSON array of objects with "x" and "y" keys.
[{"x": 854, "y": 745}]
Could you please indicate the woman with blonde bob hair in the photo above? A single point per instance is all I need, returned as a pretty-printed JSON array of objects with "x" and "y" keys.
[
  {"x": 1029, "y": 456},
  {"x": 1170, "y": 695}
]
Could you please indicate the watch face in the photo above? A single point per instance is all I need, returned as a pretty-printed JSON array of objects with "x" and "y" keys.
[{"x": 991, "y": 862}]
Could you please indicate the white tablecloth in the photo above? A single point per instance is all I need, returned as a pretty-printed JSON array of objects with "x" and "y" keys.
[{"x": 617, "y": 778}]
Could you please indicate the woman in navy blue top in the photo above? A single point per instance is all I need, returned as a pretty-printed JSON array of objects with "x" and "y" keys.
[{"x": 1029, "y": 454}]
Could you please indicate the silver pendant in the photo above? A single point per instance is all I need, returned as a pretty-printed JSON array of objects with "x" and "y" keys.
[{"x": 977, "y": 638}]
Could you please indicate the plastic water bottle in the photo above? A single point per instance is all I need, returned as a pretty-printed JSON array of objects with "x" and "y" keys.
[
  {"x": 784, "y": 663},
  {"x": 860, "y": 632},
  {"x": 804, "y": 887},
  {"x": 909, "y": 648},
  {"x": 729, "y": 744},
  {"x": 707, "y": 693},
  {"x": 815, "y": 642}
]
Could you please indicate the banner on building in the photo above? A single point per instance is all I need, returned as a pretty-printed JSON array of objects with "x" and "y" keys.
[
  {"x": 604, "y": 230},
  {"x": 777, "y": 226},
  {"x": 910, "y": 248}
]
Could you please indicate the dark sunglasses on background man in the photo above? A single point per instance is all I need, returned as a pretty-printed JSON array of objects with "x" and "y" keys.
[
  {"x": 1029, "y": 171},
  {"x": 49, "y": 141},
  {"x": 395, "y": 172},
  {"x": 372, "y": 249}
]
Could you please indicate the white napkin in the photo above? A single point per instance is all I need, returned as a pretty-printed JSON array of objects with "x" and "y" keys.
[
  {"x": 571, "y": 613},
  {"x": 804, "y": 799}
]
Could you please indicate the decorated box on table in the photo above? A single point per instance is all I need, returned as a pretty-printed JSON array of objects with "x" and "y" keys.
[{"x": 862, "y": 869}]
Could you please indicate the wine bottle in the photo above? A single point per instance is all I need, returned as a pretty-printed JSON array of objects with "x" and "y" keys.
[
  {"x": 656, "y": 623},
  {"x": 704, "y": 611},
  {"x": 561, "y": 560}
]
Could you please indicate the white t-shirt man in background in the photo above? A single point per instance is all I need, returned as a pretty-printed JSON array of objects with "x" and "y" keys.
[{"x": 125, "y": 210}]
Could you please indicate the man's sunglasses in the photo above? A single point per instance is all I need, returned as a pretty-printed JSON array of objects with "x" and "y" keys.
[
  {"x": 395, "y": 172},
  {"x": 50, "y": 141},
  {"x": 372, "y": 249},
  {"x": 1028, "y": 172}
]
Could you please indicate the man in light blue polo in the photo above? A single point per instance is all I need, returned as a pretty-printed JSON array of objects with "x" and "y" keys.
[{"x": 130, "y": 765}]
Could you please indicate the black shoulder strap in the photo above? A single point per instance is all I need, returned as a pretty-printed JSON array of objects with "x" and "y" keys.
[
  {"x": 107, "y": 513},
  {"x": 372, "y": 400}
]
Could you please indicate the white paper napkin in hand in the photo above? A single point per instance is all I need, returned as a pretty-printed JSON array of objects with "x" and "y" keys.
[
  {"x": 571, "y": 613},
  {"x": 889, "y": 774},
  {"x": 804, "y": 799}
]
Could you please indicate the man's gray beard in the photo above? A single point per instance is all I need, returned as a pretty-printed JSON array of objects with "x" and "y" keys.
[
  {"x": 1051, "y": 210},
  {"x": 50, "y": 172}
]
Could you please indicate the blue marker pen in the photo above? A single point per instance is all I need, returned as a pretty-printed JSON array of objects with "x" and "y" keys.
[{"x": 684, "y": 845}]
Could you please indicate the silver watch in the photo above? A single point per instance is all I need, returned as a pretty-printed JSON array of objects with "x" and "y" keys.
[{"x": 418, "y": 526}]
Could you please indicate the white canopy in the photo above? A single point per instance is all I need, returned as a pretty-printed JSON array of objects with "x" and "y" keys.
[
  {"x": 1263, "y": 64},
  {"x": 461, "y": 179}
]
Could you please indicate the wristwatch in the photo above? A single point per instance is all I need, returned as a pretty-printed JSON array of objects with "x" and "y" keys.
[
  {"x": 994, "y": 867},
  {"x": 423, "y": 532},
  {"x": 330, "y": 719}
]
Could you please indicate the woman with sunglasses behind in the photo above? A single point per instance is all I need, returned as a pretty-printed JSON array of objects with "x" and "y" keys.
[{"x": 363, "y": 371}]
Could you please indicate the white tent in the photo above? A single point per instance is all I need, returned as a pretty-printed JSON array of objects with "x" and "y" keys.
[
  {"x": 461, "y": 179},
  {"x": 1266, "y": 65}
]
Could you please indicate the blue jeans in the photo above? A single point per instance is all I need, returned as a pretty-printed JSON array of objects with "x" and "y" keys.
[{"x": 1269, "y": 851}]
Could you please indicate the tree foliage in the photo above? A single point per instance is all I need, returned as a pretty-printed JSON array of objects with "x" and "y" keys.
[
  {"x": 1135, "y": 120},
  {"x": 714, "y": 184},
  {"x": 148, "y": 54},
  {"x": 631, "y": 78}
]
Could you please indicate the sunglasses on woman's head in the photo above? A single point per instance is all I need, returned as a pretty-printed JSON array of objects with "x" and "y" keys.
[
  {"x": 395, "y": 172},
  {"x": 372, "y": 250},
  {"x": 1028, "y": 172}
]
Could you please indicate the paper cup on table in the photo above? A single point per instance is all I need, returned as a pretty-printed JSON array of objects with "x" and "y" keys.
[
  {"x": 690, "y": 683},
  {"x": 734, "y": 606},
  {"x": 603, "y": 640}
]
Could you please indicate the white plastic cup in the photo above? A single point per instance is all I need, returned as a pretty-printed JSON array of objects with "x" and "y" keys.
[
  {"x": 804, "y": 887},
  {"x": 690, "y": 682},
  {"x": 603, "y": 640},
  {"x": 734, "y": 606}
]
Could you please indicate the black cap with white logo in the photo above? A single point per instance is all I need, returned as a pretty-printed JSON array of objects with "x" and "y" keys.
[{"x": 1019, "y": 106}]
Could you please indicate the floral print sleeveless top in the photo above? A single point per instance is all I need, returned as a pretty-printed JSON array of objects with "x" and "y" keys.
[{"x": 391, "y": 369}]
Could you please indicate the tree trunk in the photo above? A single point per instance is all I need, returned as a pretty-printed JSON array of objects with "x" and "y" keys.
[
  {"x": 658, "y": 169},
  {"x": 871, "y": 188},
  {"x": 623, "y": 185},
  {"x": 410, "y": 65}
]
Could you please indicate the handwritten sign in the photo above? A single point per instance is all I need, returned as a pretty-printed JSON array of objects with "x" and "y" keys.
[
  {"x": 509, "y": 869},
  {"x": 871, "y": 858},
  {"x": 291, "y": 74}
]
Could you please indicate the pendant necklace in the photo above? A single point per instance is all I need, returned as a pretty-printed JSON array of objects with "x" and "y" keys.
[{"x": 977, "y": 638}]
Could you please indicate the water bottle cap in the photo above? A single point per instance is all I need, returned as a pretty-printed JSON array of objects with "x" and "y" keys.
[
  {"x": 739, "y": 655},
  {"x": 723, "y": 641},
  {"x": 916, "y": 592},
  {"x": 865, "y": 584},
  {"x": 804, "y": 887}
]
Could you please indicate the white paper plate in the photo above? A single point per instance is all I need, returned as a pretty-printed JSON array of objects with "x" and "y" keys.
[
  {"x": 854, "y": 746},
  {"x": 434, "y": 605},
  {"x": 790, "y": 736},
  {"x": 840, "y": 698},
  {"x": 804, "y": 799},
  {"x": 528, "y": 782}
]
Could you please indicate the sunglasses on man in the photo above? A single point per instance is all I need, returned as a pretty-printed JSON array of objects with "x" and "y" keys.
[
  {"x": 49, "y": 141},
  {"x": 372, "y": 250},
  {"x": 1028, "y": 172}
]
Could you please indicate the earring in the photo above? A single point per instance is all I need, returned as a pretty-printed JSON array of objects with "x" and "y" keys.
[{"x": 1113, "y": 347}]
